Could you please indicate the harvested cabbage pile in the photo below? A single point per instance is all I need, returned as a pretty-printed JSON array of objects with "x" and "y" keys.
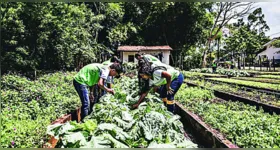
[{"x": 112, "y": 124}]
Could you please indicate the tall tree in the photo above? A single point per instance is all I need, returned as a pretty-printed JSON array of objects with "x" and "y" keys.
[
  {"x": 225, "y": 11},
  {"x": 248, "y": 38},
  {"x": 180, "y": 25},
  {"x": 48, "y": 35}
]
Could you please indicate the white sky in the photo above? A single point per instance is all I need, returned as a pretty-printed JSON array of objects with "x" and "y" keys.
[{"x": 271, "y": 10}]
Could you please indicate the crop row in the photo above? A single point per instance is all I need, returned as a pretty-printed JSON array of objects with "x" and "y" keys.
[
  {"x": 200, "y": 75},
  {"x": 223, "y": 71},
  {"x": 263, "y": 72},
  {"x": 112, "y": 124},
  {"x": 248, "y": 83},
  {"x": 237, "y": 90},
  {"x": 269, "y": 76},
  {"x": 241, "y": 124},
  {"x": 264, "y": 80}
]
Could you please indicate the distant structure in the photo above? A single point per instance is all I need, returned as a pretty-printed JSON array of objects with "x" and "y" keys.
[{"x": 162, "y": 52}]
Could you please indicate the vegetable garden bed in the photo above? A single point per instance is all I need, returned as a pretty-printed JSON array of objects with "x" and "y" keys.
[
  {"x": 242, "y": 124},
  {"x": 263, "y": 73},
  {"x": 75, "y": 115},
  {"x": 263, "y": 87},
  {"x": 236, "y": 90},
  {"x": 263, "y": 80},
  {"x": 269, "y": 76},
  {"x": 202, "y": 75},
  {"x": 52, "y": 140},
  {"x": 203, "y": 132},
  {"x": 223, "y": 71},
  {"x": 113, "y": 124},
  {"x": 233, "y": 97}
]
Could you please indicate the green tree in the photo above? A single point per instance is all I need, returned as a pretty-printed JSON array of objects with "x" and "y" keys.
[
  {"x": 224, "y": 12},
  {"x": 180, "y": 25},
  {"x": 48, "y": 35},
  {"x": 248, "y": 38}
]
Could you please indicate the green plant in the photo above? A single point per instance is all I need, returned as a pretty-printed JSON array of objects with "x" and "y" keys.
[
  {"x": 222, "y": 71},
  {"x": 269, "y": 76},
  {"x": 28, "y": 107},
  {"x": 241, "y": 124},
  {"x": 119, "y": 127},
  {"x": 203, "y": 70},
  {"x": 264, "y": 80},
  {"x": 232, "y": 72},
  {"x": 248, "y": 83},
  {"x": 276, "y": 43}
]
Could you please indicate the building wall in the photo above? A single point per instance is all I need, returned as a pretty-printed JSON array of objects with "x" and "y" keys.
[
  {"x": 270, "y": 52},
  {"x": 165, "y": 58}
]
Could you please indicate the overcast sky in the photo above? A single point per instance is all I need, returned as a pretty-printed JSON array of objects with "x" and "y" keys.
[{"x": 271, "y": 10}]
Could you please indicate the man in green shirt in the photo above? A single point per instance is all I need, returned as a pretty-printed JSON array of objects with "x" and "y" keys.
[
  {"x": 144, "y": 60},
  {"x": 149, "y": 57},
  {"x": 165, "y": 81},
  {"x": 214, "y": 66},
  {"x": 91, "y": 75},
  {"x": 109, "y": 81}
]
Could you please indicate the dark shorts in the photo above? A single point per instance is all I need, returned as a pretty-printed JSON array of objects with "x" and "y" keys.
[{"x": 175, "y": 85}]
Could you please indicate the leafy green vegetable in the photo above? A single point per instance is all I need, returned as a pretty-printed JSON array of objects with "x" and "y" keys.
[
  {"x": 259, "y": 80},
  {"x": 121, "y": 127},
  {"x": 28, "y": 107},
  {"x": 241, "y": 124},
  {"x": 222, "y": 71},
  {"x": 269, "y": 76},
  {"x": 248, "y": 83}
]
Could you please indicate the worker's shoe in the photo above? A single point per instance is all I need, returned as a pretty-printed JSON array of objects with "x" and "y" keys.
[{"x": 171, "y": 105}]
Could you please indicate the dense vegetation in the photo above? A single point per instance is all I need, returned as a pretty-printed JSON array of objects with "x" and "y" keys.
[
  {"x": 113, "y": 124},
  {"x": 265, "y": 80},
  {"x": 65, "y": 35},
  {"x": 223, "y": 71},
  {"x": 51, "y": 36},
  {"x": 28, "y": 107},
  {"x": 248, "y": 83},
  {"x": 234, "y": 89},
  {"x": 55, "y": 36},
  {"x": 241, "y": 124},
  {"x": 269, "y": 76}
]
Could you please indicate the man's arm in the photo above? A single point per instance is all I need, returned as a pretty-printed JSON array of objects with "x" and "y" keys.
[
  {"x": 101, "y": 85},
  {"x": 91, "y": 89},
  {"x": 143, "y": 95},
  {"x": 91, "y": 95},
  {"x": 167, "y": 76}
]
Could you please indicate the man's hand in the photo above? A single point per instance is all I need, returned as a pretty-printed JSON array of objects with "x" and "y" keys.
[
  {"x": 91, "y": 97},
  {"x": 111, "y": 91},
  {"x": 170, "y": 90}
]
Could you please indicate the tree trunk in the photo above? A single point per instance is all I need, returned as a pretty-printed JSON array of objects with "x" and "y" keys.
[
  {"x": 243, "y": 60},
  {"x": 204, "y": 57},
  {"x": 273, "y": 64},
  {"x": 204, "y": 61},
  {"x": 260, "y": 63},
  {"x": 218, "y": 55}
]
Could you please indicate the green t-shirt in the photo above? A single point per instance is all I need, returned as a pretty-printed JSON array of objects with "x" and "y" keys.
[
  {"x": 158, "y": 80},
  {"x": 90, "y": 74},
  {"x": 107, "y": 62},
  {"x": 151, "y": 59},
  {"x": 214, "y": 65}
]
